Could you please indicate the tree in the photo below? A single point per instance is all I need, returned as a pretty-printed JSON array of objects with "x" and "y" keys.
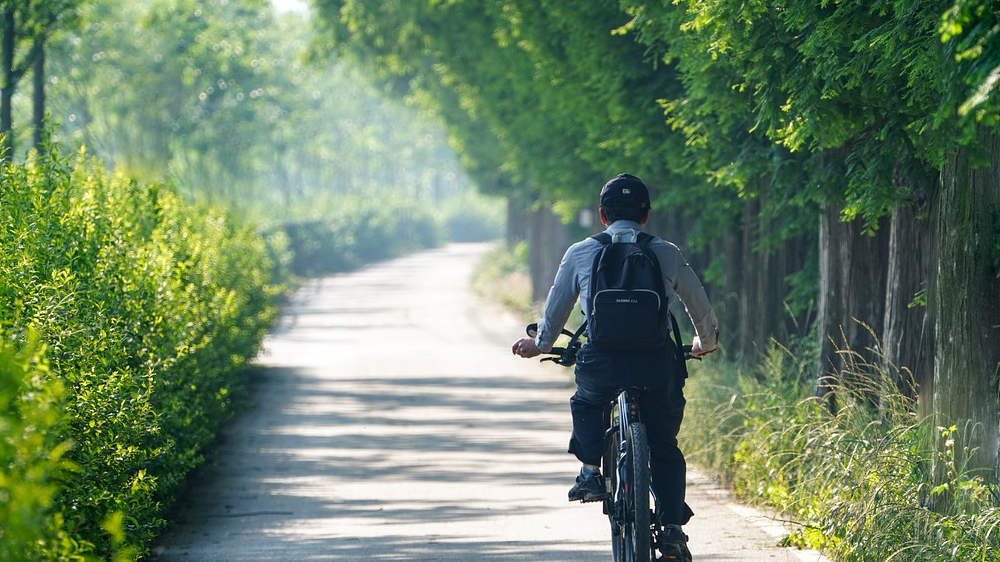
[
  {"x": 875, "y": 101},
  {"x": 967, "y": 224},
  {"x": 217, "y": 95},
  {"x": 11, "y": 69},
  {"x": 967, "y": 297},
  {"x": 762, "y": 197},
  {"x": 834, "y": 124},
  {"x": 26, "y": 27}
]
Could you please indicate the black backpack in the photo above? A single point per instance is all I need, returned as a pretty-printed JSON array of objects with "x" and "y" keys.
[{"x": 628, "y": 303}]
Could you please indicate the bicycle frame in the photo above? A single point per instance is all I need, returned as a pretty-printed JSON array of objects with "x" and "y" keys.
[{"x": 626, "y": 465}]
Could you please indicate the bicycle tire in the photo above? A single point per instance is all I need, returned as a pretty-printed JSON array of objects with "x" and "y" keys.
[
  {"x": 612, "y": 510},
  {"x": 637, "y": 518}
]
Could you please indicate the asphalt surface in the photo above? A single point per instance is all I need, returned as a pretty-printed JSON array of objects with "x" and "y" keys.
[{"x": 391, "y": 422}]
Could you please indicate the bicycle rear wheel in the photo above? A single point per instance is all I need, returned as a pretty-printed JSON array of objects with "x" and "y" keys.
[
  {"x": 637, "y": 515},
  {"x": 613, "y": 507},
  {"x": 628, "y": 509}
]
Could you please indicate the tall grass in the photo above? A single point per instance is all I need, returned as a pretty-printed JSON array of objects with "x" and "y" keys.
[
  {"x": 502, "y": 277},
  {"x": 870, "y": 482}
]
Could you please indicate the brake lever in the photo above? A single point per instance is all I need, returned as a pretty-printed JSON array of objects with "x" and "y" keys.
[{"x": 555, "y": 354}]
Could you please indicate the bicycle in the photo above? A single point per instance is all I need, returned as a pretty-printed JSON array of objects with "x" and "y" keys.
[{"x": 633, "y": 517}]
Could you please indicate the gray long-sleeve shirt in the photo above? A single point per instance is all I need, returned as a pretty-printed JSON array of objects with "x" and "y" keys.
[{"x": 572, "y": 282}]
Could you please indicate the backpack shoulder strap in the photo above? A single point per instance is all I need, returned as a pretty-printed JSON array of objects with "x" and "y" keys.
[
  {"x": 644, "y": 238},
  {"x": 604, "y": 238}
]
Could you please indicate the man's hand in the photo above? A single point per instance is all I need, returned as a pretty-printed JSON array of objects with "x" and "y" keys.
[
  {"x": 525, "y": 347},
  {"x": 696, "y": 350}
]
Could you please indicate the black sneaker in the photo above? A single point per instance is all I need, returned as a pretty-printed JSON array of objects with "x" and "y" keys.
[
  {"x": 589, "y": 487},
  {"x": 672, "y": 543}
]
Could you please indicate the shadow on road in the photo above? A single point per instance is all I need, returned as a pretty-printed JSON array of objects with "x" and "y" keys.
[
  {"x": 391, "y": 422},
  {"x": 317, "y": 457}
]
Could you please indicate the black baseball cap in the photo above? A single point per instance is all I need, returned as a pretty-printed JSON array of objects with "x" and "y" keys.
[{"x": 625, "y": 191}]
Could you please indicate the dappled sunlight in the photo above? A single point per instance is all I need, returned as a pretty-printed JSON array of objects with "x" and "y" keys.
[{"x": 393, "y": 439}]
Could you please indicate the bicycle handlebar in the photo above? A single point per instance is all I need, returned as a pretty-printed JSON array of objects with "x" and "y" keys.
[{"x": 566, "y": 356}]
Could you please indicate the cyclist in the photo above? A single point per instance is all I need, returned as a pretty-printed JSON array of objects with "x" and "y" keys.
[{"x": 624, "y": 210}]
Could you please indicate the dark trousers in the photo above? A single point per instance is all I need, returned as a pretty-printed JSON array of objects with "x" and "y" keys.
[{"x": 600, "y": 374}]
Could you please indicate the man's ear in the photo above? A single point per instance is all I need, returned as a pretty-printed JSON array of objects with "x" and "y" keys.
[
  {"x": 604, "y": 219},
  {"x": 644, "y": 218}
]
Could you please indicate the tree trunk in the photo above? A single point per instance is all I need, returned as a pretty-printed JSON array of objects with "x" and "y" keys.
[
  {"x": 831, "y": 298},
  {"x": 38, "y": 94},
  {"x": 851, "y": 301},
  {"x": 750, "y": 324},
  {"x": 517, "y": 220},
  {"x": 967, "y": 301},
  {"x": 765, "y": 315},
  {"x": 795, "y": 257},
  {"x": 907, "y": 340},
  {"x": 728, "y": 298},
  {"x": 7, "y": 79},
  {"x": 865, "y": 307},
  {"x": 548, "y": 241}
]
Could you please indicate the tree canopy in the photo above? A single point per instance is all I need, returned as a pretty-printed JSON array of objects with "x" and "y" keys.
[
  {"x": 801, "y": 149},
  {"x": 219, "y": 97}
]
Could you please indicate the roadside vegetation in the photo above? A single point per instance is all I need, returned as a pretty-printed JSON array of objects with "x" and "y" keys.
[
  {"x": 127, "y": 317},
  {"x": 127, "y": 320},
  {"x": 502, "y": 277},
  {"x": 342, "y": 232},
  {"x": 856, "y": 474},
  {"x": 139, "y": 275}
]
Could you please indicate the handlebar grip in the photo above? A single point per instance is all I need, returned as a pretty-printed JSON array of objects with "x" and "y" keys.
[
  {"x": 686, "y": 350},
  {"x": 565, "y": 356}
]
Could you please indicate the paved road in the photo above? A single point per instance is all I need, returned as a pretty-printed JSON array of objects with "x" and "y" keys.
[{"x": 392, "y": 423}]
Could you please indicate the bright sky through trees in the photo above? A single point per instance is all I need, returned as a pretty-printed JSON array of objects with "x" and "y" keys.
[{"x": 290, "y": 5}]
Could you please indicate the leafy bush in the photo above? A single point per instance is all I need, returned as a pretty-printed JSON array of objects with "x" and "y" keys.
[
  {"x": 471, "y": 217},
  {"x": 502, "y": 277},
  {"x": 868, "y": 483},
  {"x": 32, "y": 457},
  {"x": 344, "y": 233},
  {"x": 148, "y": 309}
]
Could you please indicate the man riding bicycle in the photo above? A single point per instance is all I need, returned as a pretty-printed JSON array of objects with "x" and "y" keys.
[{"x": 600, "y": 373}]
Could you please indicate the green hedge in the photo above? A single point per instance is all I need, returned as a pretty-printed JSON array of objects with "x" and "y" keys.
[
  {"x": 126, "y": 320},
  {"x": 148, "y": 309},
  {"x": 342, "y": 232},
  {"x": 30, "y": 403},
  {"x": 354, "y": 231}
]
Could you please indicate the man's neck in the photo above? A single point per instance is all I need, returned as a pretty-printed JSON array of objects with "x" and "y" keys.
[{"x": 624, "y": 231}]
